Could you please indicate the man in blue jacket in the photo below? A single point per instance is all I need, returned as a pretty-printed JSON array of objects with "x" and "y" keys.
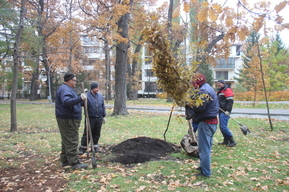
[
  {"x": 68, "y": 115},
  {"x": 97, "y": 113},
  {"x": 206, "y": 117}
]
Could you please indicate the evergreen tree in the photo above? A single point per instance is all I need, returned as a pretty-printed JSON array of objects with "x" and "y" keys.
[
  {"x": 245, "y": 74},
  {"x": 208, "y": 72},
  {"x": 276, "y": 59}
]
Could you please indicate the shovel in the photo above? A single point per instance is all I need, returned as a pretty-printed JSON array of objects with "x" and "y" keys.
[
  {"x": 88, "y": 132},
  {"x": 245, "y": 130},
  {"x": 191, "y": 133}
]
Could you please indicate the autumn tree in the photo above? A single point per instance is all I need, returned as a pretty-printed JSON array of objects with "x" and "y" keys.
[
  {"x": 16, "y": 63},
  {"x": 100, "y": 23},
  {"x": 248, "y": 74},
  {"x": 7, "y": 20},
  {"x": 47, "y": 16}
]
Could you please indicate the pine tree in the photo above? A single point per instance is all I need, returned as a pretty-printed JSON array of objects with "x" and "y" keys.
[{"x": 245, "y": 74}]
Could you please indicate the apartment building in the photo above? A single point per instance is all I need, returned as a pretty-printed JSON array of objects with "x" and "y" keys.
[{"x": 225, "y": 69}]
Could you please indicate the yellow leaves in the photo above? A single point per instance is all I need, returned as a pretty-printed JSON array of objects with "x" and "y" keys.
[
  {"x": 229, "y": 21},
  {"x": 173, "y": 184},
  {"x": 280, "y": 6},
  {"x": 141, "y": 188},
  {"x": 243, "y": 32},
  {"x": 282, "y": 182},
  {"x": 258, "y": 22},
  {"x": 176, "y": 12},
  {"x": 126, "y": 2},
  {"x": 216, "y": 6},
  {"x": 212, "y": 14},
  {"x": 172, "y": 76},
  {"x": 226, "y": 183},
  {"x": 205, "y": 4},
  {"x": 120, "y": 39},
  {"x": 186, "y": 7},
  {"x": 276, "y": 154},
  {"x": 202, "y": 15}
]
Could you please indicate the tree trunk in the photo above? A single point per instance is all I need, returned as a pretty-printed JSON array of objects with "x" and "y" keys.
[
  {"x": 34, "y": 82},
  {"x": 121, "y": 68},
  {"x": 16, "y": 62},
  {"x": 264, "y": 86},
  {"x": 108, "y": 71},
  {"x": 132, "y": 72}
]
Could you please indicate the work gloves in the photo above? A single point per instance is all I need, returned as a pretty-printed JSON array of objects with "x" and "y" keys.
[
  {"x": 104, "y": 120},
  {"x": 83, "y": 96},
  {"x": 227, "y": 113}
]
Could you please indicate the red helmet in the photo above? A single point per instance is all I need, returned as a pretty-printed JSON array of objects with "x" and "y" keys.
[{"x": 198, "y": 79}]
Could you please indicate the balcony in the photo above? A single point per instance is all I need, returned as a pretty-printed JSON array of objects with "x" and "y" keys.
[{"x": 225, "y": 63}]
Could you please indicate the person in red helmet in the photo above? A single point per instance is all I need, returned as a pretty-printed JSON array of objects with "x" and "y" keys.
[{"x": 206, "y": 117}]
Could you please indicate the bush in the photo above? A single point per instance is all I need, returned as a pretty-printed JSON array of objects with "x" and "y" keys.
[{"x": 260, "y": 96}]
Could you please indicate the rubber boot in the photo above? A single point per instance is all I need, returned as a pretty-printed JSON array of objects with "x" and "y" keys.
[
  {"x": 81, "y": 150},
  {"x": 231, "y": 143},
  {"x": 225, "y": 142}
]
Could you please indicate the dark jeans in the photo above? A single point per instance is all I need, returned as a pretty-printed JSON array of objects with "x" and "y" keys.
[
  {"x": 95, "y": 125},
  {"x": 69, "y": 140}
]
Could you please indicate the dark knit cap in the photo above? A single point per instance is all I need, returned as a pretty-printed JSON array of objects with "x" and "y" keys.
[
  {"x": 93, "y": 85},
  {"x": 222, "y": 81},
  {"x": 68, "y": 76}
]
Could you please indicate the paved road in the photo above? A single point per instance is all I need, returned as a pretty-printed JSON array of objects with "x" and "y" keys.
[{"x": 280, "y": 114}]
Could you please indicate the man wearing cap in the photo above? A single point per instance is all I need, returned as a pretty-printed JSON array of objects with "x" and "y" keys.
[
  {"x": 226, "y": 101},
  {"x": 97, "y": 113},
  {"x": 206, "y": 117},
  {"x": 68, "y": 115}
]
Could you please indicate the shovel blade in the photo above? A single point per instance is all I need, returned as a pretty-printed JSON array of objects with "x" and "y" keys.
[{"x": 245, "y": 130}]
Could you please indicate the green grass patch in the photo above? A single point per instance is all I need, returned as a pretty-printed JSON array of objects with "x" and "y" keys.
[{"x": 259, "y": 162}]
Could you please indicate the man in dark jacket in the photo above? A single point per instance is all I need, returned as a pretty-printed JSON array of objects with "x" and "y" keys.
[
  {"x": 97, "y": 113},
  {"x": 226, "y": 101},
  {"x": 206, "y": 117},
  {"x": 68, "y": 115}
]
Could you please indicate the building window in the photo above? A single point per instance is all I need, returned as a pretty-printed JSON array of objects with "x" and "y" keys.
[
  {"x": 148, "y": 53},
  {"x": 90, "y": 62},
  {"x": 90, "y": 40},
  {"x": 148, "y": 60},
  {"x": 148, "y": 56},
  {"x": 238, "y": 50},
  {"x": 222, "y": 75},
  {"x": 226, "y": 63},
  {"x": 149, "y": 73},
  {"x": 150, "y": 87},
  {"x": 92, "y": 49}
]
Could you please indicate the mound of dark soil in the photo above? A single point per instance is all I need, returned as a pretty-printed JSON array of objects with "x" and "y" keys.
[{"x": 142, "y": 149}]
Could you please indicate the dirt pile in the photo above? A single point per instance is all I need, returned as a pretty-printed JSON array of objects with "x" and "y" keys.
[{"x": 142, "y": 149}]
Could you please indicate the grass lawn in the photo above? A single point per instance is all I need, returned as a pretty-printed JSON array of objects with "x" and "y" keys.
[
  {"x": 163, "y": 102},
  {"x": 259, "y": 162}
]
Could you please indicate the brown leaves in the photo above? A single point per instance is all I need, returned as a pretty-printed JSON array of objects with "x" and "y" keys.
[
  {"x": 171, "y": 75},
  {"x": 280, "y": 6}
]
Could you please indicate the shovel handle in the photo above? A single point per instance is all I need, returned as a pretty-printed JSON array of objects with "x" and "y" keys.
[{"x": 231, "y": 117}]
